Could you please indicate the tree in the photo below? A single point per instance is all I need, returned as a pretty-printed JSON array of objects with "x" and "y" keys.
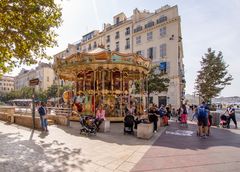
[
  {"x": 213, "y": 76},
  {"x": 156, "y": 82},
  {"x": 26, "y": 30}
]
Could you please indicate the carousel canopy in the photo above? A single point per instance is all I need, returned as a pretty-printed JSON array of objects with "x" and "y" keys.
[{"x": 69, "y": 67}]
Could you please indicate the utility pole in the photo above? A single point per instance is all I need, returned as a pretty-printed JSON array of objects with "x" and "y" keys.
[{"x": 33, "y": 83}]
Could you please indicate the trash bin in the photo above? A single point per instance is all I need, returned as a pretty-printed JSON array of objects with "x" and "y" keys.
[{"x": 215, "y": 118}]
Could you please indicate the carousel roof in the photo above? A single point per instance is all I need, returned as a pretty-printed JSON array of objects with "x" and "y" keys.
[{"x": 69, "y": 67}]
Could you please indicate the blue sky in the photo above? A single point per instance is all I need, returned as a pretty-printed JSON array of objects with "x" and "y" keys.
[{"x": 205, "y": 24}]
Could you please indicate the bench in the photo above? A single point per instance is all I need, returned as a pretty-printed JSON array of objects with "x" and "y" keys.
[
  {"x": 105, "y": 126},
  {"x": 145, "y": 130}
]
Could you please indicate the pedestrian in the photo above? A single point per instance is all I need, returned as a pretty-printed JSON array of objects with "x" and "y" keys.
[
  {"x": 100, "y": 116},
  {"x": 152, "y": 116},
  {"x": 203, "y": 120},
  {"x": 195, "y": 112},
  {"x": 231, "y": 115},
  {"x": 43, "y": 116}
]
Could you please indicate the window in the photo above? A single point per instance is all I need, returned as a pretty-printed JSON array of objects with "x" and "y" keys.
[
  {"x": 127, "y": 31},
  {"x": 139, "y": 28},
  {"x": 163, "y": 31},
  {"x": 127, "y": 43},
  {"x": 108, "y": 38},
  {"x": 47, "y": 78},
  {"x": 162, "y": 19},
  {"x": 117, "y": 46},
  {"x": 138, "y": 39},
  {"x": 89, "y": 47},
  {"x": 149, "y": 36},
  {"x": 117, "y": 20},
  {"x": 108, "y": 47},
  {"x": 140, "y": 52},
  {"x": 149, "y": 24},
  {"x": 163, "y": 50},
  {"x": 117, "y": 35},
  {"x": 150, "y": 53},
  {"x": 94, "y": 45}
]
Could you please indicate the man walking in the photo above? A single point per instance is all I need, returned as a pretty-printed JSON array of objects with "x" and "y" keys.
[{"x": 43, "y": 116}]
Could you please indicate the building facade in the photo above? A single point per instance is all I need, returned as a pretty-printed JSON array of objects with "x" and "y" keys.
[
  {"x": 43, "y": 72},
  {"x": 155, "y": 35},
  {"x": 6, "y": 84}
]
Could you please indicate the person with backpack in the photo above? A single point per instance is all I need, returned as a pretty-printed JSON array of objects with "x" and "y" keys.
[
  {"x": 43, "y": 116},
  {"x": 203, "y": 120}
]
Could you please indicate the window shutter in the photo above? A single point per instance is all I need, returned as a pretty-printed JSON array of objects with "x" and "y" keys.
[{"x": 154, "y": 52}]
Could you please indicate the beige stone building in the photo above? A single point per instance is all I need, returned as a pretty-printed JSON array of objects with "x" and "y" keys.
[
  {"x": 6, "y": 84},
  {"x": 43, "y": 72},
  {"x": 155, "y": 35}
]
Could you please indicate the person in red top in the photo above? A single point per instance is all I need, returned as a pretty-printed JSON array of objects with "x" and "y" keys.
[{"x": 100, "y": 116}]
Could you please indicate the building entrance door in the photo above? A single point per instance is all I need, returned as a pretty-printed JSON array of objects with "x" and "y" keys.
[{"x": 162, "y": 100}]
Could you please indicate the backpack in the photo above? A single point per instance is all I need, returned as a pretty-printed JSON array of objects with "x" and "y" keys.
[{"x": 202, "y": 112}]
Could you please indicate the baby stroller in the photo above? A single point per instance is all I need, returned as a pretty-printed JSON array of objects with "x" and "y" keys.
[
  {"x": 88, "y": 125},
  {"x": 128, "y": 124},
  {"x": 223, "y": 121}
]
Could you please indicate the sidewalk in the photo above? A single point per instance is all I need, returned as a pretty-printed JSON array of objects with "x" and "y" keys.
[
  {"x": 178, "y": 150},
  {"x": 63, "y": 149}
]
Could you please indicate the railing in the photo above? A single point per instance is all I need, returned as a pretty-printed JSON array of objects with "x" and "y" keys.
[
  {"x": 24, "y": 110},
  {"x": 59, "y": 111}
]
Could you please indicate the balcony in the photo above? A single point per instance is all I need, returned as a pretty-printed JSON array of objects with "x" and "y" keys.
[
  {"x": 138, "y": 29},
  {"x": 162, "y": 19},
  {"x": 148, "y": 25}
]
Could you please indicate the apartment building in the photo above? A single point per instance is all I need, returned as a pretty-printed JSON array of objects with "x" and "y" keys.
[
  {"x": 155, "y": 35},
  {"x": 43, "y": 72},
  {"x": 6, "y": 84}
]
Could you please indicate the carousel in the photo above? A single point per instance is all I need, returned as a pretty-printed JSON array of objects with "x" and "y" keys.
[{"x": 105, "y": 78}]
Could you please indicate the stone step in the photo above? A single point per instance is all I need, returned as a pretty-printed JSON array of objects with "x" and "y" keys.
[{"x": 50, "y": 122}]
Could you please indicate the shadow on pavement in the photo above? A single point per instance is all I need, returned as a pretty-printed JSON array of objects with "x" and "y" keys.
[
  {"x": 27, "y": 155},
  {"x": 114, "y": 136}
]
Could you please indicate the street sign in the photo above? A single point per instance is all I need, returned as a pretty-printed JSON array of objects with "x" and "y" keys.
[{"x": 33, "y": 82}]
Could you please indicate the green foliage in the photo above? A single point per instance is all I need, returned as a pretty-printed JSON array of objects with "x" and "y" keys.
[
  {"x": 26, "y": 30},
  {"x": 157, "y": 83},
  {"x": 213, "y": 76}
]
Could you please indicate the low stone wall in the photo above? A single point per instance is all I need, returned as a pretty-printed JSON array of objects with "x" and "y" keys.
[
  {"x": 58, "y": 119},
  {"x": 3, "y": 116},
  {"x": 8, "y": 109},
  {"x": 27, "y": 121}
]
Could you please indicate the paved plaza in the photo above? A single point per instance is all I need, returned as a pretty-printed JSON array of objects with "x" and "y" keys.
[
  {"x": 63, "y": 149},
  {"x": 171, "y": 149}
]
